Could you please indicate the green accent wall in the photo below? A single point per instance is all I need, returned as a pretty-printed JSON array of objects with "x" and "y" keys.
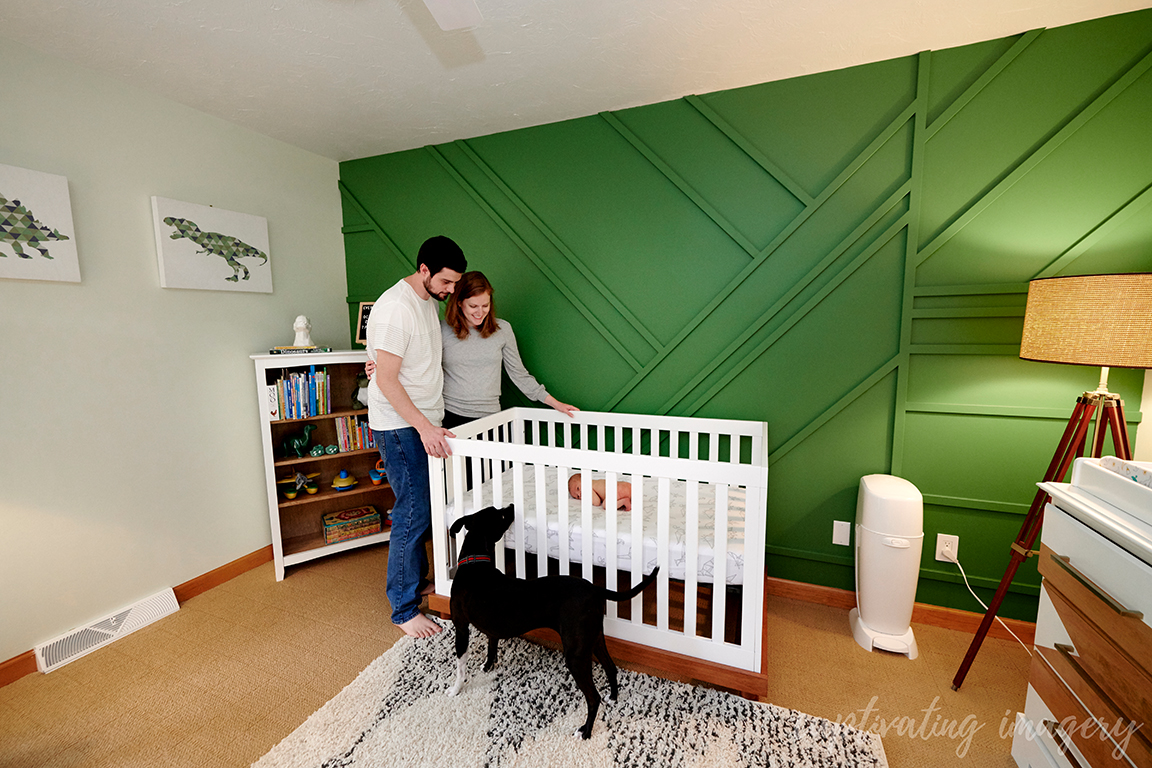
[{"x": 843, "y": 255}]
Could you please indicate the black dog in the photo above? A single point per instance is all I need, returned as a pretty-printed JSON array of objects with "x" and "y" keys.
[{"x": 502, "y": 606}]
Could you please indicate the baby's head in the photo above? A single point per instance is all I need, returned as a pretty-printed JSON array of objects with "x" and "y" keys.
[{"x": 574, "y": 486}]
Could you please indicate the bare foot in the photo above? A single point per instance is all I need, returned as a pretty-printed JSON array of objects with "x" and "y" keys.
[
  {"x": 428, "y": 589},
  {"x": 420, "y": 626}
]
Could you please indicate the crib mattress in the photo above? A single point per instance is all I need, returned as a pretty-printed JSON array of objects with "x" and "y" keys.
[{"x": 677, "y": 537}]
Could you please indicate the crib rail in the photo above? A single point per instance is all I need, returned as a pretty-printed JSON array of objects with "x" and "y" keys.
[{"x": 674, "y": 452}]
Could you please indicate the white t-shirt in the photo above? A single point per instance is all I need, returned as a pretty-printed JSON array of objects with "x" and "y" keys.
[{"x": 407, "y": 326}]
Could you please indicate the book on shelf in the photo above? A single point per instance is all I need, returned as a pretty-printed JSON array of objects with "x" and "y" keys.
[
  {"x": 301, "y": 395},
  {"x": 297, "y": 350},
  {"x": 353, "y": 434}
]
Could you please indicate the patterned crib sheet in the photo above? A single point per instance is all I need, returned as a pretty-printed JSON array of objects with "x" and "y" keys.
[{"x": 677, "y": 537}]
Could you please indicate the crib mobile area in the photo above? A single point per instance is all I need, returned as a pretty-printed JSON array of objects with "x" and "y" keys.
[{"x": 698, "y": 505}]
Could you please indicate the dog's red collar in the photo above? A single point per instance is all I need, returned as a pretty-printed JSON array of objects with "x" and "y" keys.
[{"x": 475, "y": 559}]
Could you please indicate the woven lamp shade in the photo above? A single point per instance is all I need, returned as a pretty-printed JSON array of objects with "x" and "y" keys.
[{"x": 1099, "y": 320}]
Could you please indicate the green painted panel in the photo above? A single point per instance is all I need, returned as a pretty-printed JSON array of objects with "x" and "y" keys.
[
  {"x": 968, "y": 330},
  {"x": 1043, "y": 88},
  {"x": 980, "y": 457},
  {"x": 818, "y": 481},
  {"x": 718, "y": 170},
  {"x": 1009, "y": 381},
  {"x": 747, "y": 254},
  {"x": 814, "y": 126},
  {"x": 955, "y": 70},
  {"x": 628, "y": 222}
]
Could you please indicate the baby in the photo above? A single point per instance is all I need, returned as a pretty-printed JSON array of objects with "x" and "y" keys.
[{"x": 600, "y": 493}]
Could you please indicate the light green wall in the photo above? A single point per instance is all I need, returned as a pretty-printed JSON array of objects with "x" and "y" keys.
[
  {"x": 843, "y": 255},
  {"x": 130, "y": 456}
]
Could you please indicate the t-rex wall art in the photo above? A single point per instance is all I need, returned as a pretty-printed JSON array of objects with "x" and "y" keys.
[
  {"x": 225, "y": 246},
  {"x": 208, "y": 248},
  {"x": 36, "y": 236}
]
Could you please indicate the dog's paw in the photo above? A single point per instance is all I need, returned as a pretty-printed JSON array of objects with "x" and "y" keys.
[
  {"x": 581, "y": 734},
  {"x": 455, "y": 689}
]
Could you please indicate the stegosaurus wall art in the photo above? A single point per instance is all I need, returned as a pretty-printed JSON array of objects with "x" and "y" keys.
[
  {"x": 37, "y": 241},
  {"x": 207, "y": 248}
]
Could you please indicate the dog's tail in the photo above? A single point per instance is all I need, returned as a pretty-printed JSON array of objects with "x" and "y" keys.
[{"x": 631, "y": 593}]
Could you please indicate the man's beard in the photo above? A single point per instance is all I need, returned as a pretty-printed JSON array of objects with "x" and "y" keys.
[{"x": 428, "y": 288}]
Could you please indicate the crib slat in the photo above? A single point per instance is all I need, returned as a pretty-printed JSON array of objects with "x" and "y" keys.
[
  {"x": 457, "y": 462},
  {"x": 586, "y": 524},
  {"x": 441, "y": 553},
  {"x": 720, "y": 565},
  {"x": 518, "y": 500},
  {"x": 691, "y": 554},
  {"x": 564, "y": 532},
  {"x": 714, "y": 446},
  {"x": 610, "y": 520},
  {"x": 541, "y": 521},
  {"x": 477, "y": 487},
  {"x": 637, "y": 555},
  {"x": 663, "y": 497}
]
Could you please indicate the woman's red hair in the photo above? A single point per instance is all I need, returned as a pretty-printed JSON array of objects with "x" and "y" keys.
[{"x": 471, "y": 284}]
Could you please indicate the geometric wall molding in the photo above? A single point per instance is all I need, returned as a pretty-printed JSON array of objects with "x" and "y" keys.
[{"x": 844, "y": 255}]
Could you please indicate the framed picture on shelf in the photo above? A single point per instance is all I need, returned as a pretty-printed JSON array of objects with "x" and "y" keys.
[
  {"x": 37, "y": 240},
  {"x": 362, "y": 322},
  {"x": 210, "y": 249}
]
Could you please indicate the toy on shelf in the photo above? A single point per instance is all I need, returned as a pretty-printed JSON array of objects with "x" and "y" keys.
[
  {"x": 344, "y": 482},
  {"x": 332, "y": 450},
  {"x": 291, "y": 486},
  {"x": 351, "y": 524},
  {"x": 377, "y": 474},
  {"x": 317, "y": 451},
  {"x": 360, "y": 394},
  {"x": 297, "y": 443}
]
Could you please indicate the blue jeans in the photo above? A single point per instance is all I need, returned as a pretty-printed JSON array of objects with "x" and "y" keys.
[{"x": 406, "y": 463}]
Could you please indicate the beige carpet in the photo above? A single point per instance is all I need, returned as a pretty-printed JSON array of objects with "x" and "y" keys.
[{"x": 237, "y": 669}]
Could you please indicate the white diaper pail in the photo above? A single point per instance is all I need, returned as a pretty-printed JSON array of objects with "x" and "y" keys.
[{"x": 889, "y": 537}]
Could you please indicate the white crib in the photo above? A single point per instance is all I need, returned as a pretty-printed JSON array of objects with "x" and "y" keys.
[{"x": 699, "y": 495}]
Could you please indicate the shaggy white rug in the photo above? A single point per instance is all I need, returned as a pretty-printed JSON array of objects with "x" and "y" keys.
[{"x": 526, "y": 710}]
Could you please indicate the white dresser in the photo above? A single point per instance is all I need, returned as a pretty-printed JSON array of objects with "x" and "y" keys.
[{"x": 1089, "y": 699}]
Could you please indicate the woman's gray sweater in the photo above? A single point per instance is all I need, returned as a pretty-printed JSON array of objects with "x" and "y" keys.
[{"x": 472, "y": 370}]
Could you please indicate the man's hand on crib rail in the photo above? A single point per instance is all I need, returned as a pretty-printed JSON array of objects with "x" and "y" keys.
[{"x": 435, "y": 441}]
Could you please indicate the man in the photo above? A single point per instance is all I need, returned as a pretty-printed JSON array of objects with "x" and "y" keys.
[{"x": 405, "y": 409}]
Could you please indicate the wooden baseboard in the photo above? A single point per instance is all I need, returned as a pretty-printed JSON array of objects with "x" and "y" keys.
[
  {"x": 224, "y": 573},
  {"x": 25, "y": 664},
  {"x": 16, "y": 667},
  {"x": 922, "y": 613}
]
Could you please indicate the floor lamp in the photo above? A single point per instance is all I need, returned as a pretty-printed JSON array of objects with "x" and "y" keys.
[{"x": 1097, "y": 320}]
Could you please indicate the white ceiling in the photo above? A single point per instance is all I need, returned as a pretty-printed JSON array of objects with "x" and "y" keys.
[{"x": 354, "y": 78}]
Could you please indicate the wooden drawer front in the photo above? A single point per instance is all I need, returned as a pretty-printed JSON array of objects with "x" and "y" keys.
[
  {"x": 1127, "y": 733},
  {"x": 1072, "y": 722},
  {"x": 1113, "y": 687},
  {"x": 1107, "y": 584}
]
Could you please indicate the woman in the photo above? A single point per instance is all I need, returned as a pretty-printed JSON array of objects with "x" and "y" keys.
[{"x": 476, "y": 344}]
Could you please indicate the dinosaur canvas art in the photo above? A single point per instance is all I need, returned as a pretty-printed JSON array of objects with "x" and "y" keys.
[
  {"x": 201, "y": 246},
  {"x": 20, "y": 228},
  {"x": 37, "y": 240},
  {"x": 225, "y": 246}
]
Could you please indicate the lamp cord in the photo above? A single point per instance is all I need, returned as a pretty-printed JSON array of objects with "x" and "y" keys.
[{"x": 1009, "y": 631}]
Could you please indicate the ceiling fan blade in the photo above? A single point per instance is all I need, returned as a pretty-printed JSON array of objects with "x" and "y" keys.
[{"x": 455, "y": 14}]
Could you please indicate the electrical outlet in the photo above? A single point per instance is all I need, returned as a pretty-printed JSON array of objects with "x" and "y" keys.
[
  {"x": 841, "y": 532},
  {"x": 947, "y": 547}
]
